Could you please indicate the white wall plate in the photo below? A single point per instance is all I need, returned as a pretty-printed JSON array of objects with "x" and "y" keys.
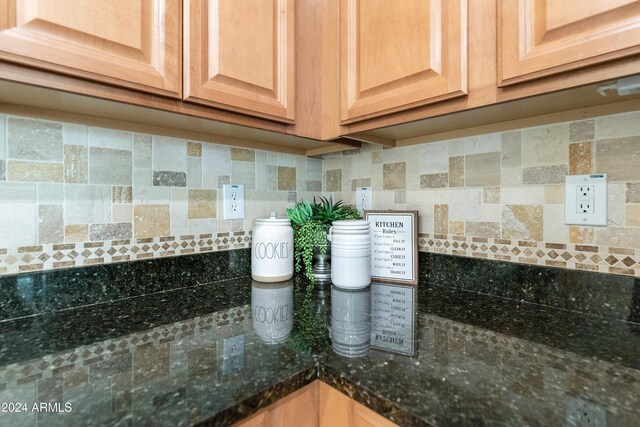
[
  {"x": 585, "y": 199},
  {"x": 233, "y": 201}
]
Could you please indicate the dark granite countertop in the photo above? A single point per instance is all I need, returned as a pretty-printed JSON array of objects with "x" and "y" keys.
[{"x": 160, "y": 360}]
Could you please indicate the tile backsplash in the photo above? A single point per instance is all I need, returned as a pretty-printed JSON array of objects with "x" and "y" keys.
[
  {"x": 500, "y": 195},
  {"x": 73, "y": 195}
]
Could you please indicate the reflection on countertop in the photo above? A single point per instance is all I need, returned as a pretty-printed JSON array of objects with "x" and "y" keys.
[{"x": 199, "y": 355}]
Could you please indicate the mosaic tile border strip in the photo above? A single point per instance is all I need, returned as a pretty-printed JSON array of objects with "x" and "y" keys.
[
  {"x": 65, "y": 255},
  {"x": 603, "y": 259},
  {"x": 82, "y": 356}
]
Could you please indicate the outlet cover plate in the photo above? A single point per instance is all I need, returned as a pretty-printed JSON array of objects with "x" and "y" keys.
[
  {"x": 364, "y": 199},
  {"x": 585, "y": 199},
  {"x": 233, "y": 353},
  {"x": 233, "y": 201}
]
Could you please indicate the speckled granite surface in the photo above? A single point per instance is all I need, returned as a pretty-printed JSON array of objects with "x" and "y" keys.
[{"x": 159, "y": 359}]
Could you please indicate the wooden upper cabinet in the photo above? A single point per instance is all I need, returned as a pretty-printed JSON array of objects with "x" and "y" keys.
[
  {"x": 239, "y": 55},
  {"x": 401, "y": 54},
  {"x": 543, "y": 37},
  {"x": 130, "y": 43}
]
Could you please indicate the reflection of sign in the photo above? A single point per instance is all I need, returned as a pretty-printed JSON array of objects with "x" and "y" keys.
[
  {"x": 394, "y": 246},
  {"x": 393, "y": 318}
]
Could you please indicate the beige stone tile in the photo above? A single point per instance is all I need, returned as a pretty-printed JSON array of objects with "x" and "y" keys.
[
  {"x": 545, "y": 145},
  {"x": 554, "y": 194},
  {"x": 17, "y": 224},
  {"x": 215, "y": 163},
  {"x": 35, "y": 171},
  {"x": 482, "y": 229},
  {"x": 123, "y": 212},
  {"x": 50, "y": 224},
  {"x": 75, "y": 134},
  {"x": 632, "y": 215},
  {"x": 30, "y": 139},
  {"x": 194, "y": 172},
  {"x": 523, "y": 195},
  {"x": 110, "y": 231},
  {"x": 488, "y": 143},
  {"x": 491, "y": 195},
  {"x": 85, "y": 204},
  {"x": 581, "y": 131},
  {"x": 76, "y": 233},
  {"x": 555, "y": 230},
  {"x": 142, "y": 150},
  {"x": 522, "y": 222},
  {"x": 286, "y": 178},
  {"x": 619, "y": 158},
  {"x": 202, "y": 204},
  {"x": 17, "y": 192},
  {"x": 122, "y": 194},
  {"x": 50, "y": 193},
  {"x": 108, "y": 166},
  {"x": 394, "y": 176},
  {"x": 456, "y": 228},
  {"x": 244, "y": 173},
  {"x": 511, "y": 177},
  {"x": 544, "y": 174},
  {"x": 465, "y": 204},
  {"x": 151, "y": 220},
  {"x": 169, "y": 154},
  {"x": 434, "y": 180},
  {"x": 581, "y": 158},
  {"x": 615, "y": 203},
  {"x": 75, "y": 164},
  {"x": 633, "y": 192},
  {"x": 243, "y": 154},
  {"x": 441, "y": 219},
  {"x": 456, "y": 171},
  {"x": 579, "y": 234},
  {"x": 3, "y": 170},
  {"x": 511, "y": 149},
  {"x": 400, "y": 197},
  {"x": 433, "y": 157},
  {"x": 333, "y": 180},
  {"x": 362, "y": 182},
  {"x": 194, "y": 149},
  {"x": 617, "y": 126},
  {"x": 110, "y": 138},
  {"x": 619, "y": 237},
  {"x": 376, "y": 157},
  {"x": 481, "y": 170}
]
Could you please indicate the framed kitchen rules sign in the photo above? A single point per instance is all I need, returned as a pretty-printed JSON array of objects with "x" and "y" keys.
[{"x": 394, "y": 246}]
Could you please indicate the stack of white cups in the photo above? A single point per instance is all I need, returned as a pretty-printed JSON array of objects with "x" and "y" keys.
[{"x": 350, "y": 254}]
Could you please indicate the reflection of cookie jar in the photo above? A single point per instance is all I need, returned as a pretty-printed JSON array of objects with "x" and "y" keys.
[
  {"x": 272, "y": 310},
  {"x": 272, "y": 250}
]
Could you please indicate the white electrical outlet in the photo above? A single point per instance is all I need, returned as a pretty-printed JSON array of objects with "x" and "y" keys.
[
  {"x": 233, "y": 201},
  {"x": 364, "y": 199},
  {"x": 585, "y": 199}
]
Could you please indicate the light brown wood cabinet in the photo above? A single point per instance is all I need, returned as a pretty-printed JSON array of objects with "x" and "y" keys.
[
  {"x": 337, "y": 409},
  {"x": 401, "y": 54},
  {"x": 539, "y": 38},
  {"x": 239, "y": 55},
  {"x": 134, "y": 44}
]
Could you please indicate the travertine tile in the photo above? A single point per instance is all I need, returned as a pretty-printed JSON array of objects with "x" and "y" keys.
[
  {"x": 632, "y": 214},
  {"x": 110, "y": 138},
  {"x": 123, "y": 212},
  {"x": 522, "y": 195},
  {"x": 400, "y": 197},
  {"x": 456, "y": 171},
  {"x": 456, "y": 228},
  {"x": 243, "y": 154},
  {"x": 376, "y": 157},
  {"x": 169, "y": 179},
  {"x": 554, "y": 228},
  {"x": 3, "y": 170},
  {"x": 434, "y": 180},
  {"x": 487, "y": 143},
  {"x": 244, "y": 173},
  {"x": 286, "y": 178},
  {"x": 482, "y": 229},
  {"x": 194, "y": 149},
  {"x": 202, "y": 204},
  {"x": 581, "y": 131},
  {"x": 544, "y": 174},
  {"x": 84, "y": 204},
  {"x": 50, "y": 224},
  {"x": 215, "y": 163},
  {"x": 50, "y": 193},
  {"x": 75, "y": 134},
  {"x": 17, "y": 192},
  {"x": 142, "y": 150},
  {"x": 20, "y": 217},
  {"x": 194, "y": 172},
  {"x": 333, "y": 180},
  {"x": 522, "y": 222},
  {"x": 619, "y": 237},
  {"x": 314, "y": 186},
  {"x": 580, "y": 158},
  {"x": 554, "y": 194},
  {"x": 619, "y": 158},
  {"x": 110, "y": 231},
  {"x": 30, "y": 139},
  {"x": 394, "y": 176},
  {"x": 441, "y": 219},
  {"x": 633, "y": 192},
  {"x": 579, "y": 234},
  {"x": 482, "y": 170},
  {"x": 108, "y": 166},
  {"x": 169, "y": 154},
  {"x": 362, "y": 182},
  {"x": 433, "y": 157},
  {"x": 75, "y": 164},
  {"x": 545, "y": 145},
  {"x": 3, "y": 139},
  {"x": 122, "y": 194},
  {"x": 35, "y": 171},
  {"x": 491, "y": 195},
  {"x": 151, "y": 220},
  {"x": 617, "y": 126},
  {"x": 76, "y": 233},
  {"x": 511, "y": 149},
  {"x": 465, "y": 204},
  {"x": 615, "y": 203}
]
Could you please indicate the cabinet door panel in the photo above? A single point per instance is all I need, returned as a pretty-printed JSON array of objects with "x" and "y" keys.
[
  {"x": 239, "y": 55},
  {"x": 544, "y": 37},
  {"x": 400, "y": 54},
  {"x": 123, "y": 42}
]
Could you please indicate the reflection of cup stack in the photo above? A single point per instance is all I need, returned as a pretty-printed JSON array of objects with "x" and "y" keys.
[
  {"x": 351, "y": 321},
  {"x": 272, "y": 310}
]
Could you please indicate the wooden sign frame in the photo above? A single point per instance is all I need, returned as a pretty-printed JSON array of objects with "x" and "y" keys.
[{"x": 394, "y": 243}]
